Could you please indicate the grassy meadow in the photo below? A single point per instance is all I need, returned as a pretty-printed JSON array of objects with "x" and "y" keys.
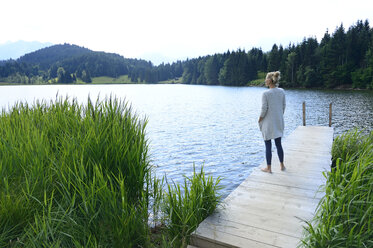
[
  {"x": 75, "y": 175},
  {"x": 172, "y": 81},
  {"x": 259, "y": 81},
  {"x": 345, "y": 214},
  {"x": 124, "y": 79}
]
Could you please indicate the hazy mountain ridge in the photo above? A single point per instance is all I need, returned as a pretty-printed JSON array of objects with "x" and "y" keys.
[
  {"x": 14, "y": 50},
  {"x": 68, "y": 62},
  {"x": 48, "y": 56}
]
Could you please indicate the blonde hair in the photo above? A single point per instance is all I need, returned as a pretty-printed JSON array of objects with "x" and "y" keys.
[{"x": 274, "y": 77}]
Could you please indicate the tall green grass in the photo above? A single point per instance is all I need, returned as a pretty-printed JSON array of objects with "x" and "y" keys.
[
  {"x": 78, "y": 175},
  {"x": 188, "y": 205},
  {"x": 345, "y": 214},
  {"x": 73, "y": 175}
]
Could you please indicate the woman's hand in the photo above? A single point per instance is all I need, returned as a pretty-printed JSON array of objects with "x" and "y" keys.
[{"x": 260, "y": 119}]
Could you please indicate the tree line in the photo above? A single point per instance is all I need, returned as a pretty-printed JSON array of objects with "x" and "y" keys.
[
  {"x": 343, "y": 58},
  {"x": 339, "y": 59}
]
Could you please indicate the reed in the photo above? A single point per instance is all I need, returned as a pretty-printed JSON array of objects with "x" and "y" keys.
[
  {"x": 188, "y": 205},
  {"x": 349, "y": 143},
  {"x": 78, "y": 175},
  {"x": 73, "y": 175},
  {"x": 345, "y": 214}
]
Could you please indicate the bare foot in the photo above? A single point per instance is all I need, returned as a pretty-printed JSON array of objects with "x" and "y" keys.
[
  {"x": 282, "y": 167},
  {"x": 266, "y": 170}
]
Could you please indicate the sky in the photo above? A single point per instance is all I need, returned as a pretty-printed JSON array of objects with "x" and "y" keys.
[{"x": 176, "y": 29}]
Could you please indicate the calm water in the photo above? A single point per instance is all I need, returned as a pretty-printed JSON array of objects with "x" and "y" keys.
[{"x": 211, "y": 125}]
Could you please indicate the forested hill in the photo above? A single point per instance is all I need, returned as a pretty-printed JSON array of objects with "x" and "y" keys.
[
  {"x": 48, "y": 56},
  {"x": 343, "y": 58},
  {"x": 66, "y": 63}
]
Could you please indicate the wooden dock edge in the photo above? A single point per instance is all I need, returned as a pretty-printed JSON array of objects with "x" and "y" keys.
[{"x": 312, "y": 142}]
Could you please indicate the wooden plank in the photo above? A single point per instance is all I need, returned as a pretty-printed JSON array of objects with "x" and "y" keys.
[
  {"x": 291, "y": 181},
  {"x": 206, "y": 237},
  {"x": 274, "y": 221},
  {"x": 275, "y": 189},
  {"x": 247, "y": 195},
  {"x": 240, "y": 235},
  {"x": 277, "y": 210},
  {"x": 268, "y": 210}
]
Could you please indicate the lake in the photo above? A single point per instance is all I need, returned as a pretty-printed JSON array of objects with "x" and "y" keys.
[{"x": 211, "y": 125}]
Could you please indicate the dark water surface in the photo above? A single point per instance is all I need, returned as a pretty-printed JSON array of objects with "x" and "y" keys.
[{"x": 211, "y": 125}]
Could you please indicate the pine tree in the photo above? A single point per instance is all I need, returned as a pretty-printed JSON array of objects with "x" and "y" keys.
[
  {"x": 211, "y": 70},
  {"x": 274, "y": 59},
  {"x": 291, "y": 65}
]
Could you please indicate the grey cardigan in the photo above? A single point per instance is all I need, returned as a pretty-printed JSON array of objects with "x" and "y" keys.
[{"x": 273, "y": 108}]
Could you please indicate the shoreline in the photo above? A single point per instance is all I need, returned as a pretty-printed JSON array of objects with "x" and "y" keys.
[{"x": 340, "y": 88}]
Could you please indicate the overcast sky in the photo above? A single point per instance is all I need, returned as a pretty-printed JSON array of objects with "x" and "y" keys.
[{"x": 176, "y": 29}]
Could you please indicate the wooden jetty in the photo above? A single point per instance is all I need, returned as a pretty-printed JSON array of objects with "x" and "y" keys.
[{"x": 268, "y": 210}]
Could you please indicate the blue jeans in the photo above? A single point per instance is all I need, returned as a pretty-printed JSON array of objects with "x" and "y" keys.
[{"x": 280, "y": 151}]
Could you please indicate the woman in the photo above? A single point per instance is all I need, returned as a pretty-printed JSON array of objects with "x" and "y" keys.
[{"x": 271, "y": 120}]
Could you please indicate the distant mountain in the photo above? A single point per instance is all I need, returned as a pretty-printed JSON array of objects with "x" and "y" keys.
[
  {"x": 48, "y": 56},
  {"x": 69, "y": 62},
  {"x": 14, "y": 50},
  {"x": 75, "y": 59}
]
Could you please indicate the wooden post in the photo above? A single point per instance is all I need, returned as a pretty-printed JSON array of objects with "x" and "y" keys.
[
  {"x": 304, "y": 113},
  {"x": 330, "y": 114}
]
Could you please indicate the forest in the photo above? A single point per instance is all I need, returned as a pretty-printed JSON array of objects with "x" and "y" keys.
[{"x": 342, "y": 59}]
